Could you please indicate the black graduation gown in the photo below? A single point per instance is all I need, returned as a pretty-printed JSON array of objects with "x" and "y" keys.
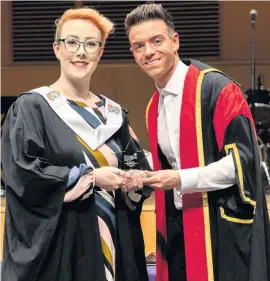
[{"x": 46, "y": 239}]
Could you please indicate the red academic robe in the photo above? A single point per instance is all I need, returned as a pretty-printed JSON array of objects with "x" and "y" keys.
[{"x": 226, "y": 232}]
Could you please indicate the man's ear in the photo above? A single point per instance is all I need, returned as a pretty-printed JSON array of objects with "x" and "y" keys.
[{"x": 175, "y": 39}]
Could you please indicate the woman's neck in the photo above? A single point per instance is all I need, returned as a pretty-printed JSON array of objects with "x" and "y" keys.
[{"x": 74, "y": 90}]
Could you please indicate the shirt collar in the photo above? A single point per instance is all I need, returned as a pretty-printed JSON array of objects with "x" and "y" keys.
[{"x": 176, "y": 83}]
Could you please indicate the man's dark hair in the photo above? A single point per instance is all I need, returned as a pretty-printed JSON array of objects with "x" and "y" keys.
[{"x": 148, "y": 12}]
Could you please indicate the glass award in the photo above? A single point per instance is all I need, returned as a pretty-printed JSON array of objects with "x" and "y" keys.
[{"x": 134, "y": 158}]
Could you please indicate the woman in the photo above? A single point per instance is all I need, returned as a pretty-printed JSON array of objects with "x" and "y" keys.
[{"x": 66, "y": 219}]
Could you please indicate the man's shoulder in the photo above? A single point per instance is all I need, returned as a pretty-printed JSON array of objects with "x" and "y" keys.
[
  {"x": 198, "y": 64},
  {"x": 216, "y": 80},
  {"x": 212, "y": 74},
  {"x": 213, "y": 84}
]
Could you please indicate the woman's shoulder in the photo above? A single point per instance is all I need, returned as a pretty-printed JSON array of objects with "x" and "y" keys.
[
  {"x": 30, "y": 98},
  {"x": 30, "y": 101},
  {"x": 108, "y": 100}
]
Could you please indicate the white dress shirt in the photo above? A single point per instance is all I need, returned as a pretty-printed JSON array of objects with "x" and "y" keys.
[{"x": 218, "y": 175}]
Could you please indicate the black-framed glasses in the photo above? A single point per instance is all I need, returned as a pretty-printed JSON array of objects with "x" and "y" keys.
[{"x": 73, "y": 45}]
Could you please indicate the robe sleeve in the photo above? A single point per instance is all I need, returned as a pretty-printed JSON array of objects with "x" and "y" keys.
[
  {"x": 235, "y": 134},
  {"x": 243, "y": 206},
  {"x": 35, "y": 187},
  {"x": 31, "y": 176}
]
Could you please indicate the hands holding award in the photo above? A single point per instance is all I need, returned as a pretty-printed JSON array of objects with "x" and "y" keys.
[
  {"x": 163, "y": 179},
  {"x": 140, "y": 175},
  {"x": 134, "y": 173},
  {"x": 111, "y": 178}
]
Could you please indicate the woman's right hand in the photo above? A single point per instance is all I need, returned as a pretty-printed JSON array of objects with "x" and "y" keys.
[
  {"x": 82, "y": 186},
  {"x": 109, "y": 178}
]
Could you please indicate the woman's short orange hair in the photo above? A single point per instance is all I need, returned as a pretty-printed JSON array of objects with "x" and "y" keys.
[{"x": 85, "y": 13}]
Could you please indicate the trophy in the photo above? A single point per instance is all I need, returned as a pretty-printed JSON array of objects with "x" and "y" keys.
[{"x": 134, "y": 158}]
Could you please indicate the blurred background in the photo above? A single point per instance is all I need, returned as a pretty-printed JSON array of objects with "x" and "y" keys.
[{"x": 218, "y": 33}]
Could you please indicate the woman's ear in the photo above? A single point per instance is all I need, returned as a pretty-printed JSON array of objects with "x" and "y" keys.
[
  {"x": 56, "y": 49},
  {"x": 101, "y": 50}
]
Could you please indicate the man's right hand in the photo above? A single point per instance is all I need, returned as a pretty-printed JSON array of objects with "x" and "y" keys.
[{"x": 163, "y": 179}]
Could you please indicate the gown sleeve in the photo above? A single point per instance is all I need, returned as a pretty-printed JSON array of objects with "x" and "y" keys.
[{"x": 35, "y": 188}]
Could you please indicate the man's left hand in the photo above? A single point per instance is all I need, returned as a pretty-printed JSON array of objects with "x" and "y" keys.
[{"x": 163, "y": 179}]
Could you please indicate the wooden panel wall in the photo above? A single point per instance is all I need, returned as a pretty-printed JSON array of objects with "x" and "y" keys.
[{"x": 127, "y": 84}]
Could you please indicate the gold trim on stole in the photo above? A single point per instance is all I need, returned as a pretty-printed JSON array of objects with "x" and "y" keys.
[{"x": 208, "y": 242}]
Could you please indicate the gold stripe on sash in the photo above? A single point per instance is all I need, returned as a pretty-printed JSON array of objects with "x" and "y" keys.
[
  {"x": 208, "y": 242},
  {"x": 106, "y": 251},
  {"x": 102, "y": 161}
]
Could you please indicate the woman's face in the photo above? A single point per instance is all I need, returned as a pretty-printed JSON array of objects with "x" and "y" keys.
[{"x": 78, "y": 61}]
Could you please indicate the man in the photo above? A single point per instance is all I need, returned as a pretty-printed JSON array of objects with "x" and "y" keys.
[{"x": 212, "y": 221}]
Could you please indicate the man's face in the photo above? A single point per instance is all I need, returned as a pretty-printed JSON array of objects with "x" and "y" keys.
[{"x": 154, "y": 48}]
